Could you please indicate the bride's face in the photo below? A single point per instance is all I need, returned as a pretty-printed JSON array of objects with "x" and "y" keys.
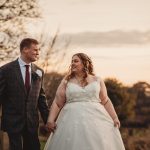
[{"x": 76, "y": 65}]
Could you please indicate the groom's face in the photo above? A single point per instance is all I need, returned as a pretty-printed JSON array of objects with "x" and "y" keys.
[{"x": 31, "y": 53}]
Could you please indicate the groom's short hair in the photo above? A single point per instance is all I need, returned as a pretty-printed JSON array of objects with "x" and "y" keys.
[{"x": 26, "y": 43}]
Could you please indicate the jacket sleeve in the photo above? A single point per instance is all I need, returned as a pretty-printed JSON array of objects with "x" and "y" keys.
[
  {"x": 42, "y": 105},
  {"x": 2, "y": 85}
]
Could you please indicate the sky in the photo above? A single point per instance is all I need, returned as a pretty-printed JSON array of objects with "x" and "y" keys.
[{"x": 114, "y": 33}]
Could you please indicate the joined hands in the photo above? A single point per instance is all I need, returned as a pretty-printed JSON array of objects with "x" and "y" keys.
[{"x": 51, "y": 126}]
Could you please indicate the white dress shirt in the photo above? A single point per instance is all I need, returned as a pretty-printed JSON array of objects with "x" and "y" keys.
[{"x": 23, "y": 68}]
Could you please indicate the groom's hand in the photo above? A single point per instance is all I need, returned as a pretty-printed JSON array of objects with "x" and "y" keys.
[{"x": 51, "y": 126}]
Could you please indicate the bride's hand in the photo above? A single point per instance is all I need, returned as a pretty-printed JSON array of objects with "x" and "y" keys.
[
  {"x": 116, "y": 122},
  {"x": 51, "y": 126}
]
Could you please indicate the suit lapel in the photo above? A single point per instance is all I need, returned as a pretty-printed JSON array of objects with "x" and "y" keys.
[
  {"x": 19, "y": 75},
  {"x": 33, "y": 71},
  {"x": 20, "y": 78}
]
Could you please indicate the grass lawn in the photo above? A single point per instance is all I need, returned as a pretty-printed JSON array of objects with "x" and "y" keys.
[{"x": 42, "y": 144}]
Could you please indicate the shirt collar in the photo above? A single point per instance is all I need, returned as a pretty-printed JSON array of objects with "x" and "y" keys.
[{"x": 22, "y": 63}]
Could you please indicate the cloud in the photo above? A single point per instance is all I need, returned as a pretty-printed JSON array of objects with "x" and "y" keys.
[
  {"x": 116, "y": 38},
  {"x": 127, "y": 57}
]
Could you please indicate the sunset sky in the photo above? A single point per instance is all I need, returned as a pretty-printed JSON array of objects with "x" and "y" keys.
[{"x": 114, "y": 33}]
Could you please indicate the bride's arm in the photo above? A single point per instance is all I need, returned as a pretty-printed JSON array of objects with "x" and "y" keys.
[
  {"x": 108, "y": 104},
  {"x": 57, "y": 105}
]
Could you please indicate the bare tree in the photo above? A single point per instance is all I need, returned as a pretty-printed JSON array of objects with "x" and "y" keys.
[
  {"x": 15, "y": 15},
  {"x": 53, "y": 49}
]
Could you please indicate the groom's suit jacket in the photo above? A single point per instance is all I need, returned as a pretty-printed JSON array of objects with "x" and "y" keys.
[{"x": 18, "y": 107}]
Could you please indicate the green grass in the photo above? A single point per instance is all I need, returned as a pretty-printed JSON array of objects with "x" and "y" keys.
[{"x": 42, "y": 144}]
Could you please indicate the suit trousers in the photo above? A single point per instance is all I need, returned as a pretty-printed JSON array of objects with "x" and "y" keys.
[{"x": 24, "y": 140}]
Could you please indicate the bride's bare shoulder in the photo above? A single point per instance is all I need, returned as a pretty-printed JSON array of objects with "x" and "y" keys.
[{"x": 95, "y": 77}]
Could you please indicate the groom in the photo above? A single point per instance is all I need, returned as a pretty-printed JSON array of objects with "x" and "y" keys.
[{"x": 21, "y": 96}]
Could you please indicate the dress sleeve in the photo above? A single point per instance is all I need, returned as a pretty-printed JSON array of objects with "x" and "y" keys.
[{"x": 60, "y": 97}]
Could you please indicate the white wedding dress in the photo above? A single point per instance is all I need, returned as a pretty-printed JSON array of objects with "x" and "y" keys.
[{"x": 83, "y": 123}]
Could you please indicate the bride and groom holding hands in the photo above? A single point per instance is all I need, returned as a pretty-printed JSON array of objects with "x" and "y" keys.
[{"x": 81, "y": 117}]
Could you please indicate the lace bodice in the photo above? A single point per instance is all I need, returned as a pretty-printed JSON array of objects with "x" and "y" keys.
[{"x": 76, "y": 93}]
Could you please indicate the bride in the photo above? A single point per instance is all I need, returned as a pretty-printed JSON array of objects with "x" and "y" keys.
[{"x": 82, "y": 116}]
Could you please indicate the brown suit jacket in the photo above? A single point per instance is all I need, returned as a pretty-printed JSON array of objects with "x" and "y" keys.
[{"x": 18, "y": 107}]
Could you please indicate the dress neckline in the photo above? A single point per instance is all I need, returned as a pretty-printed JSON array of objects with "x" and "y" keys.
[{"x": 95, "y": 81}]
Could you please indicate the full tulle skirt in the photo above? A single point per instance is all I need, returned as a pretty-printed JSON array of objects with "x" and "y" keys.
[{"x": 85, "y": 126}]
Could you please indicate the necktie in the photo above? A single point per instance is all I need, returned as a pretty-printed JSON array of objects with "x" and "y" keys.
[{"x": 27, "y": 78}]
